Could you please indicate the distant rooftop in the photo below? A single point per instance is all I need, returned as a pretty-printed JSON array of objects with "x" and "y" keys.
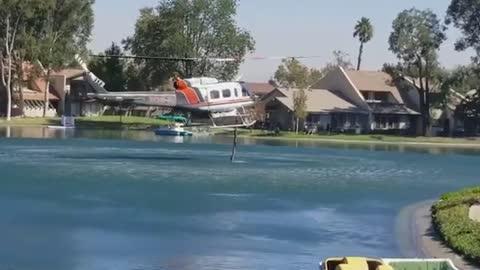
[
  {"x": 320, "y": 101},
  {"x": 260, "y": 89}
]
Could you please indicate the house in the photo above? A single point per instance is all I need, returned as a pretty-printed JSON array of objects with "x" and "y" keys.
[
  {"x": 391, "y": 109},
  {"x": 72, "y": 87},
  {"x": 33, "y": 92},
  {"x": 326, "y": 111},
  {"x": 61, "y": 83}
]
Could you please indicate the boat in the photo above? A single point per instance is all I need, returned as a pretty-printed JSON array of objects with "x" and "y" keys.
[
  {"x": 172, "y": 118},
  {"x": 173, "y": 130},
  {"x": 363, "y": 263}
]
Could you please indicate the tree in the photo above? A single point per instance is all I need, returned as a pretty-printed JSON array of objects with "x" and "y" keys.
[
  {"x": 292, "y": 74},
  {"x": 340, "y": 59},
  {"x": 300, "y": 106},
  {"x": 64, "y": 32},
  {"x": 464, "y": 15},
  {"x": 112, "y": 70},
  {"x": 415, "y": 40},
  {"x": 364, "y": 32},
  {"x": 465, "y": 80},
  {"x": 190, "y": 28},
  {"x": 17, "y": 18}
]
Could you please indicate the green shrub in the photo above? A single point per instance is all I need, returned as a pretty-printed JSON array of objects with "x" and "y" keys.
[{"x": 451, "y": 220}]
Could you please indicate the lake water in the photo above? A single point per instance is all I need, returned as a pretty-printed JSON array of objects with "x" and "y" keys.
[{"x": 128, "y": 200}]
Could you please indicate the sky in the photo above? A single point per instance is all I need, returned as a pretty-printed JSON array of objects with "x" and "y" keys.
[{"x": 294, "y": 28}]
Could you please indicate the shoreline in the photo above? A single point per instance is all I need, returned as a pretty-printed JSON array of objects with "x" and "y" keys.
[
  {"x": 346, "y": 141},
  {"x": 417, "y": 238},
  {"x": 366, "y": 142}
]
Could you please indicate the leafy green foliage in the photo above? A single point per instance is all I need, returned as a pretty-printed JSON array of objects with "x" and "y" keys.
[
  {"x": 340, "y": 59},
  {"x": 465, "y": 80},
  {"x": 293, "y": 74},
  {"x": 416, "y": 38},
  {"x": 464, "y": 15},
  {"x": 20, "y": 20},
  {"x": 189, "y": 28},
  {"x": 112, "y": 70},
  {"x": 64, "y": 30},
  {"x": 364, "y": 32},
  {"x": 417, "y": 35},
  {"x": 451, "y": 219},
  {"x": 300, "y": 104}
]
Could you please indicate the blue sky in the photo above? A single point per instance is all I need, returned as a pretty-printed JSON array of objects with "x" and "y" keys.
[{"x": 287, "y": 27}]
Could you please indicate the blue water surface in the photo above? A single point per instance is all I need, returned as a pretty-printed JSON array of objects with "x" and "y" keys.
[{"x": 73, "y": 201}]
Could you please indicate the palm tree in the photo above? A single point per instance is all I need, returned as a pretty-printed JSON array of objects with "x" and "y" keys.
[{"x": 364, "y": 32}]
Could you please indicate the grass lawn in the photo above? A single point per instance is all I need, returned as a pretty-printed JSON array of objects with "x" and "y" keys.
[
  {"x": 353, "y": 138},
  {"x": 103, "y": 122}
]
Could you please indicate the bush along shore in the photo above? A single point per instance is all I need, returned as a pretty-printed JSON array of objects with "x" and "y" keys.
[{"x": 452, "y": 221}]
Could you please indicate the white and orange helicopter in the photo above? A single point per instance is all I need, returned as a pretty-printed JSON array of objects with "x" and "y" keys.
[{"x": 226, "y": 104}]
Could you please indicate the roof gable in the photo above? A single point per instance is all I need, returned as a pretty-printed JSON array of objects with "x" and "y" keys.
[{"x": 374, "y": 81}]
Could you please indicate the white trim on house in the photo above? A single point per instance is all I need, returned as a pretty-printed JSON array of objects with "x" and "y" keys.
[{"x": 355, "y": 87}]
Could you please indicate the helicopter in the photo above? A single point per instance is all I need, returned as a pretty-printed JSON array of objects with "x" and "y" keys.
[{"x": 227, "y": 104}]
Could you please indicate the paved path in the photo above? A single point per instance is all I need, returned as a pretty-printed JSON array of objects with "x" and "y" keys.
[
  {"x": 475, "y": 212},
  {"x": 418, "y": 238}
]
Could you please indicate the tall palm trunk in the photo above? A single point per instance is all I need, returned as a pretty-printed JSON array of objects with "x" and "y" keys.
[{"x": 360, "y": 56}]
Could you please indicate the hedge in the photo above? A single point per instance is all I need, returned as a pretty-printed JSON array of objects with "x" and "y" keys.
[{"x": 451, "y": 220}]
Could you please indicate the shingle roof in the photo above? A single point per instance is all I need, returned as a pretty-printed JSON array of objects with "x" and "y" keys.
[
  {"x": 29, "y": 94},
  {"x": 374, "y": 81},
  {"x": 70, "y": 72},
  {"x": 319, "y": 101},
  {"x": 260, "y": 88}
]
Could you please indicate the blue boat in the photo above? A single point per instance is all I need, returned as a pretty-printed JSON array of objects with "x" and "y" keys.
[{"x": 176, "y": 130}]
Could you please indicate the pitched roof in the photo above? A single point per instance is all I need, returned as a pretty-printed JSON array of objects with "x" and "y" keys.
[
  {"x": 29, "y": 94},
  {"x": 319, "y": 101},
  {"x": 70, "y": 72},
  {"x": 259, "y": 88},
  {"x": 375, "y": 81}
]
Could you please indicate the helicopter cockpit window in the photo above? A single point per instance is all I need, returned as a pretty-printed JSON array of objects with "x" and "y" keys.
[
  {"x": 236, "y": 92},
  {"x": 245, "y": 92},
  {"x": 214, "y": 94},
  {"x": 226, "y": 93}
]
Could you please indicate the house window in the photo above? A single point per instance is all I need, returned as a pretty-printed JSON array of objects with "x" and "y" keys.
[
  {"x": 214, "y": 94},
  {"x": 226, "y": 93},
  {"x": 381, "y": 96},
  {"x": 365, "y": 95}
]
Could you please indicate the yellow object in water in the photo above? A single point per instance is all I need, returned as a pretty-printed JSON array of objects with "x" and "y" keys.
[
  {"x": 384, "y": 267},
  {"x": 357, "y": 262},
  {"x": 346, "y": 267}
]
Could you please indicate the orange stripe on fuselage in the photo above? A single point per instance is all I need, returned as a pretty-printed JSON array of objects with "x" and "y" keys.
[{"x": 189, "y": 93}]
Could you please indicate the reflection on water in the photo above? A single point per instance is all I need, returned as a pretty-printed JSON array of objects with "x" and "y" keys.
[{"x": 48, "y": 133}]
